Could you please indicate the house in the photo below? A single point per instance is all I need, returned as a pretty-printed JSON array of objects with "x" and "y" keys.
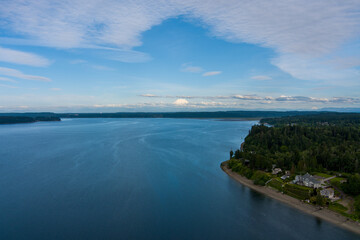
[
  {"x": 307, "y": 180},
  {"x": 327, "y": 192},
  {"x": 320, "y": 179},
  {"x": 287, "y": 173},
  {"x": 284, "y": 177},
  {"x": 276, "y": 171}
]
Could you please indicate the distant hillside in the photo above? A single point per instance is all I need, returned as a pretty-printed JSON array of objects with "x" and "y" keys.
[
  {"x": 199, "y": 115},
  {"x": 22, "y": 119},
  {"x": 219, "y": 114}
]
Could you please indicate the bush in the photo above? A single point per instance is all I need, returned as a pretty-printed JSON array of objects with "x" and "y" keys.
[
  {"x": 276, "y": 184},
  {"x": 299, "y": 192},
  {"x": 260, "y": 178},
  {"x": 352, "y": 186}
]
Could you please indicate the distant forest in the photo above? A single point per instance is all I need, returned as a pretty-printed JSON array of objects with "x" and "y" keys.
[
  {"x": 218, "y": 114},
  {"x": 22, "y": 119}
]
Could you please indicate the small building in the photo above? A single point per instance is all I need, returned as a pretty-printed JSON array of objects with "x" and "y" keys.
[
  {"x": 276, "y": 171},
  {"x": 343, "y": 180},
  {"x": 328, "y": 193},
  {"x": 307, "y": 180},
  {"x": 284, "y": 177},
  {"x": 287, "y": 173}
]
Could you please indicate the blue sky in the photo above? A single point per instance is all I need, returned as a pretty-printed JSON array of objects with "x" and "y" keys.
[{"x": 97, "y": 56}]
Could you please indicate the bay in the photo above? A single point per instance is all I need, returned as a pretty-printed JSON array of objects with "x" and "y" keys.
[{"x": 136, "y": 179}]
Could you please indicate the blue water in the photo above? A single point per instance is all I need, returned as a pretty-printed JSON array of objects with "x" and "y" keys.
[{"x": 136, "y": 179}]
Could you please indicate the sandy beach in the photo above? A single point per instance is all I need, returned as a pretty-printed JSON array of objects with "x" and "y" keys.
[{"x": 322, "y": 213}]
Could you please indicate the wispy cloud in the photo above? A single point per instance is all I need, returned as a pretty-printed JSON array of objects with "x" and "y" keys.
[
  {"x": 261, "y": 77},
  {"x": 7, "y": 86},
  {"x": 213, "y": 73},
  {"x": 23, "y": 58},
  {"x": 149, "y": 95},
  {"x": 191, "y": 69},
  {"x": 127, "y": 56},
  {"x": 18, "y": 74},
  {"x": 94, "y": 66},
  {"x": 268, "y": 99},
  {"x": 5, "y": 79},
  {"x": 78, "y": 61},
  {"x": 308, "y": 68},
  {"x": 55, "y": 89},
  {"x": 102, "y": 68}
]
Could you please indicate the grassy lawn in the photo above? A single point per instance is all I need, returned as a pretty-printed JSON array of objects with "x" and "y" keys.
[
  {"x": 336, "y": 180},
  {"x": 324, "y": 175},
  {"x": 337, "y": 207}
]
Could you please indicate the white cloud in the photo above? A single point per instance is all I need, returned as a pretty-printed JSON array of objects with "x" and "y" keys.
[
  {"x": 181, "y": 102},
  {"x": 128, "y": 56},
  {"x": 7, "y": 86},
  {"x": 192, "y": 69},
  {"x": 23, "y": 58},
  {"x": 308, "y": 68},
  {"x": 17, "y": 74},
  {"x": 247, "y": 97},
  {"x": 213, "y": 73},
  {"x": 5, "y": 79},
  {"x": 149, "y": 95},
  {"x": 255, "y": 98},
  {"x": 55, "y": 89},
  {"x": 102, "y": 68},
  {"x": 307, "y": 28},
  {"x": 261, "y": 77}
]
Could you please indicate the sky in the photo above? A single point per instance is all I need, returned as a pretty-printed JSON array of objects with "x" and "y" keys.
[{"x": 179, "y": 55}]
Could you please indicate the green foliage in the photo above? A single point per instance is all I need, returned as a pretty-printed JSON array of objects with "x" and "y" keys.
[
  {"x": 260, "y": 178},
  {"x": 299, "y": 192},
  {"x": 324, "y": 175},
  {"x": 21, "y": 119},
  {"x": 274, "y": 183},
  {"x": 317, "y": 119},
  {"x": 352, "y": 186},
  {"x": 237, "y": 166},
  {"x": 320, "y": 200},
  {"x": 357, "y": 206},
  {"x": 308, "y": 147},
  {"x": 337, "y": 207}
]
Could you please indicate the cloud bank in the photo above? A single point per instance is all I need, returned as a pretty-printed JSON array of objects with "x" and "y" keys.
[{"x": 296, "y": 30}]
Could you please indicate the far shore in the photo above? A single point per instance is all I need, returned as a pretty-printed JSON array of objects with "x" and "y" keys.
[{"x": 322, "y": 213}]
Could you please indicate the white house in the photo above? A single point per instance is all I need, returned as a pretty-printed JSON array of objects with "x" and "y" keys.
[
  {"x": 307, "y": 180},
  {"x": 276, "y": 171}
]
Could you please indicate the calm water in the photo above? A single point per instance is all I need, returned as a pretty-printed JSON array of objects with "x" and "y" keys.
[{"x": 136, "y": 179}]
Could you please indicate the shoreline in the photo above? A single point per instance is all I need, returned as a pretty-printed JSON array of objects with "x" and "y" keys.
[{"x": 322, "y": 213}]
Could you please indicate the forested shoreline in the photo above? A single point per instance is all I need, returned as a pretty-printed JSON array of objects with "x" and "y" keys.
[
  {"x": 22, "y": 119},
  {"x": 326, "y": 144}
]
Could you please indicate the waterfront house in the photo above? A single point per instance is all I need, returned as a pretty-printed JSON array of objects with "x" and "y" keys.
[
  {"x": 276, "y": 171},
  {"x": 327, "y": 192},
  {"x": 307, "y": 180}
]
